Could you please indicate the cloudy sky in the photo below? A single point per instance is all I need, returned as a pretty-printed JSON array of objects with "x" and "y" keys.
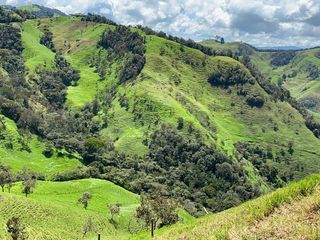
[{"x": 258, "y": 22}]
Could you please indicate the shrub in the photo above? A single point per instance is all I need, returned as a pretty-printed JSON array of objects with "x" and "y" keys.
[
  {"x": 282, "y": 58},
  {"x": 255, "y": 101},
  {"x": 10, "y": 38},
  {"x": 226, "y": 74},
  {"x": 47, "y": 40}
]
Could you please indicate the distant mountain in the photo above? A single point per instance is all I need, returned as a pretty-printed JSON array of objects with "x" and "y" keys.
[
  {"x": 285, "y": 48},
  {"x": 297, "y": 71},
  {"x": 37, "y": 11}
]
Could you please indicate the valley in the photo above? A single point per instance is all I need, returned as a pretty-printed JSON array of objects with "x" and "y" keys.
[{"x": 116, "y": 128}]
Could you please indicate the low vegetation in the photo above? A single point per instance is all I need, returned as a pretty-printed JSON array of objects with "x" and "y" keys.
[{"x": 250, "y": 219}]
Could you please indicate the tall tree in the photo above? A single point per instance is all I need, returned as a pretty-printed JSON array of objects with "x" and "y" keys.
[
  {"x": 157, "y": 210},
  {"x": 29, "y": 181},
  {"x": 87, "y": 226},
  {"x": 84, "y": 199},
  {"x": 6, "y": 177},
  {"x": 114, "y": 210}
]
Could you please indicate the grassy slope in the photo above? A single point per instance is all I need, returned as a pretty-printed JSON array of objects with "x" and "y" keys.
[
  {"x": 207, "y": 107},
  {"x": 51, "y": 211},
  {"x": 77, "y": 41},
  {"x": 35, "y": 54},
  {"x": 288, "y": 213},
  {"x": 157, "y": 98},
  {"x": 17, "y": 158},
  {"x": 299, "y": 86},
  {"x": 29, "y": 8}
]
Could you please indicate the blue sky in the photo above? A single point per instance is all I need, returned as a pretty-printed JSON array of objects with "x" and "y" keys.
[{"x": 259, "y": 22}]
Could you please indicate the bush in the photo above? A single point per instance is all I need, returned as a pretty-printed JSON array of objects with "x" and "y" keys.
[
  {"x": 226, "y": 74},
  {"x": 47, "y": 40},
  {"x": 10, "y": 38},
  {"x": 255, "y": 101},
  {"x": 128, "y": 45},
  {"x": 76, "y": 173},
  {"x": 282, "y": 58}
]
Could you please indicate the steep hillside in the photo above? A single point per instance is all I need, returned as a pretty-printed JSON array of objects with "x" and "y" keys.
[
  {"x": 297, "y": 71},
  {"x": 136, "y": 108},
  {"x": 289, "y": 213}
]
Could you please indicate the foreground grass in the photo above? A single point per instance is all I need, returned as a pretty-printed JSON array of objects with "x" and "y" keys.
[
  {"x": 52, "y": 212},
  {"x": 267, "y": 217}
]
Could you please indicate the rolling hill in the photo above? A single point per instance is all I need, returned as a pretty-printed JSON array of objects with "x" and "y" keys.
[
  {"x": 300, "y": 74},
  {"x": 85, "y": 98},
  {"x": 52, "y": 212}
]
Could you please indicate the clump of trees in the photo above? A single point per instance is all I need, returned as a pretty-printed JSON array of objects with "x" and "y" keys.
[
  {"x": 53, "y": 83},
  {"x": 126, "y": 44},
  {"x": 67, "y": 74},
  {"x": 13, "y": 15},
  {"x": 91, "y": 17},
  {"x": 255, "y": 100},
  {"x": 313, "y": 71},
  {"x": 226, "y": 74},
  {"x": 10, "y": 38},
  {"x": 215, "y": 183},
  {"x": 282, "y": 58},
  {"x": 268, "y": 162},
  {"x": 47, "y": 39}
]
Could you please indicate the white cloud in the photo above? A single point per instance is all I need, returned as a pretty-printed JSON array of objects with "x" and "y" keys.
[{"x": 265, "y": 22}]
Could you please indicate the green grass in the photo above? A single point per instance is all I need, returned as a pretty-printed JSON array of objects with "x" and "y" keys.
[
  {"x": 34, "y": 53},
  {"x": 208, "y": 108},
  {"x": 16, "y": 158},
  {"x": 221, "y": 116},
  {"x": 52, "y": 212},
  {"x": 239, "y": 222},
  {"x": 77, "y": 41},
  {"x": 29, "y": 8}
]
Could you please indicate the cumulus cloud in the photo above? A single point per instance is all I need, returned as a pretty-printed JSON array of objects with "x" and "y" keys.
[{"x": 262, "y": 23}]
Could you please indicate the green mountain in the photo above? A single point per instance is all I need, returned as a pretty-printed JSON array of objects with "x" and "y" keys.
[
  {"x": 298, "y": 71},
  {"x": 82, "y": 97}
]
